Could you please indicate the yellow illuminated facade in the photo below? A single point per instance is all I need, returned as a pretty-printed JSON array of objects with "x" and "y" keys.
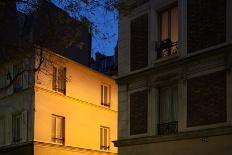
[{"x": 72, "y": 110}]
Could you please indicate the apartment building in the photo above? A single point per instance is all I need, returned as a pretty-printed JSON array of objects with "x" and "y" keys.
[
  {"x": 63, "y": 108},
  {"x": 175, "y": 78}
]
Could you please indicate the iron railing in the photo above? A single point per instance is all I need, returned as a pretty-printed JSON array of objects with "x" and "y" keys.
[
  {"x": 168, "y": 128},
  {"x": 166, "y": 48}
]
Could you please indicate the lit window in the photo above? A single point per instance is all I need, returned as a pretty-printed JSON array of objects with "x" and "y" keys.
[
  {"x": 168, "y": 110},
  {"x": 19, "y": 125},
  {"x": 105, "y": 95},
  {"x": 58, "y": 129},
  {"x": 168, "y": 33},
  {"x": 59, "y": 79},
  {"x": 104, "y": 138}
]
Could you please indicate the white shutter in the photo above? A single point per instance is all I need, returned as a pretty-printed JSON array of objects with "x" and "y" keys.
[
  {"x": 24, "y": 126},
  {"x": 8, "y": 130},
  {"x": 2, "y": 132}
]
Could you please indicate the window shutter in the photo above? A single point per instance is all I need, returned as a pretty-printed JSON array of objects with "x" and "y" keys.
[
  {"x": 139, "y": 43},
  {"x": 206, "y": 23},
  {"x": 53, "y": 132},
  {"x": 206, "y": 98},
  {"x": 62, "y": 128},
  {"x": 64, "y": 80},
  {"x": 24, "y": 126},
  {"x": 138, "y": 112},
  {"x": 9, "y": 130},
  {"x": 2, "y": 132},
  {"x": 25, "y": 76},
  {"x": 102, "y": 94},
  {"x": 105, "y": 94},
  {"x": 101, "y": 137},
  {"x": 105, "y": 137},
  {"x": 54, "y": 79}
]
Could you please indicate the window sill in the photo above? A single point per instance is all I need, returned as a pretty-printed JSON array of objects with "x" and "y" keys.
[
  {"x": 175, "y": 137},
  {"x": 165, "y": 59}
]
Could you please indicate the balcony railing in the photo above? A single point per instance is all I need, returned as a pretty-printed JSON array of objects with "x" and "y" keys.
[
  {"x": 104, "y": 147},
  {"x": 166, "y": 48},
  {"x": 168, "y": 128}
]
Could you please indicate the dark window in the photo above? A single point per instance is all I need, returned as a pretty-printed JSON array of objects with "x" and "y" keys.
[
  {"x": 139, "y": 43},
  {"x": 206, "y": 23},
  {"x": 207, "y": 99},
  {"x": 168, "y": 110},
  {"x": 138, "y": 112},
  {"x": 59, "y": 80},
  {"x": 19, "y": 127}
]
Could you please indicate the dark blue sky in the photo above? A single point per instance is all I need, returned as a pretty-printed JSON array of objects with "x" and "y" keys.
[
  {"x": 105, "y": 34},
  {"x": 107, "y": 23}
]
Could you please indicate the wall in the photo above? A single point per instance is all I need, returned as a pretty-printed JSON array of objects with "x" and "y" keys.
[
  {"x": 81, "y": 108},
  {"x": 214, "y": 146}
]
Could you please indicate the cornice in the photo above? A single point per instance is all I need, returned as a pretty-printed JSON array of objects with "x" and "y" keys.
[
  {"x": 175, "y": 137},
  {"x": 70, "y": 148},
  {"x": 37, "y": 88},
  {"x": 177, "y": 61}
]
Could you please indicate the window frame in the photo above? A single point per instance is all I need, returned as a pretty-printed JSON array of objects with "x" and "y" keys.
[
  {"x": 54, "y": 136},
  {"x": 168, "y": 42},
  {"x": 102, "y": 96},
  {"x": 169, "y": 124},
  {"x": 104, "y": 141},
  {"x": 56, "y": 81}
]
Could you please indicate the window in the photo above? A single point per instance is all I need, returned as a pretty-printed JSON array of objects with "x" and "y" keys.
[
  {"x": 168, "y": 100},
  {"x": 206, "y": 98},
  {"x": 104, "y": 138},
  {"x": 139, "y": 112},
  {"x": 168, "y": 33},
  {"x": 59, "y": 80},
  {"x": 139, "y": 43},
  {"x": 19, "y": 126},
  {"x": 105, "y": 95},
  {"x": 206, "y": 23},
  {"x": 58, "y": 129},
  {"x": 2, "y": 132}
]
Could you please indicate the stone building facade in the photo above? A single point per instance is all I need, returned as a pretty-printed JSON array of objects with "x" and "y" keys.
[
  {"x": 175, "y": 78},
  {"x": 65, "y": 108}
]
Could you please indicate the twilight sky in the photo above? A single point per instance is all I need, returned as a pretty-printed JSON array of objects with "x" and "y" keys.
[{"x": 105, "y": 35}]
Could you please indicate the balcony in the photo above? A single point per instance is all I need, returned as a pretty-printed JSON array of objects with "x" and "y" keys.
[
  {"x": 168, "y": 128},
  {"x": 166, "y": 48}
]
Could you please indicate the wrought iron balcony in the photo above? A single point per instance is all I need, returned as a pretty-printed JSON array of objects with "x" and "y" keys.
[
  {"x": 166, "y": 48},
  {"x": 168, "y": 128}
]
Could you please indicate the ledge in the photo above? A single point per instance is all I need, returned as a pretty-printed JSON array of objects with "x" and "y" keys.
[
  {"x": 70, "y": 148},
  {"x": 175, "y": 137},
  {"x": 174, "y": 61}
]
